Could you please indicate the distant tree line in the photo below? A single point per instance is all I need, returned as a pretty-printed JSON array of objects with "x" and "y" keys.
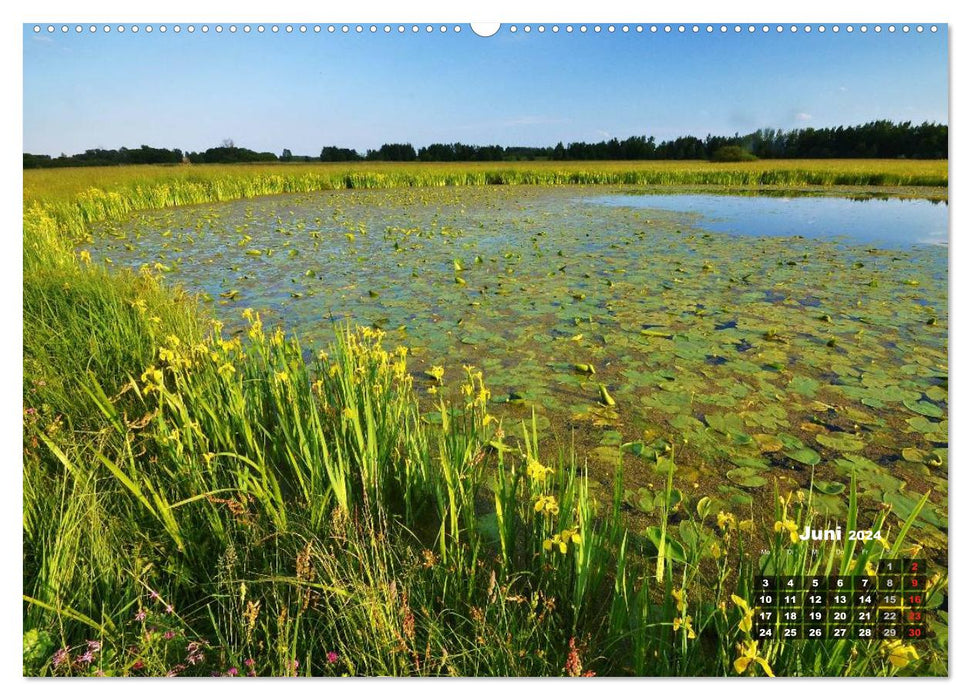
[
  {"x": 878, "y": 139},
  {"x": 101, "y": 156}
]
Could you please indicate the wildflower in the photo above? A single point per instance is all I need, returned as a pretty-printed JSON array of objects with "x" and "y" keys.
[
  {"x": 573, "y": 665},
  {"x": 61, "y": 657},
  {"x": 790, "y": 526},
  {"x": 561, "y": 540},
  {"x": 194, "y": 654},
  {"x": 747, "y": 613},
  {"x": 899, "y": 654},
  {"x": 547, "y": 505},
  {"x": 281, "y": 376},
  {"x": 250, "y": 663},
  {"x": 747, "y": 653},
  {"x": 686, "y": 623},
  {"x": 94, "y": 646},
  {"x": 726, "y": 521},
  {"x": 153, "y": 380},
  {"x": 140, "y": 616},
  {"x": 678, "y": 595},
  {"x": 746, "y": 525},
  {"x": 169, "y": 634},
  {"x": 85, "y": 658},
  {"x": 226, "y": 370},
  {"x": 139, "y": 305},
  {"x": 138, "y": 665},
  {"x": 85, "y": 257},
  {"x": 437, "y": 373},
  {"x": 233, "y": 671},
  {"x": 332, "y": 657},
  {"x": 536, "y": 471}
]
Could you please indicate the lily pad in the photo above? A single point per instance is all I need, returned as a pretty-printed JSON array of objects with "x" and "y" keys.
[
  {"x": 804, "y": 455},
  {"x": 830, "y": 488},
  {"x": 747, "y": 477},
  {"x": 841, "y": 442},
  {"x": 924, "y": 408}
]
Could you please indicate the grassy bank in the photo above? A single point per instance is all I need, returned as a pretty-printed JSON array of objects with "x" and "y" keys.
[{"x": 196, "y": 504}]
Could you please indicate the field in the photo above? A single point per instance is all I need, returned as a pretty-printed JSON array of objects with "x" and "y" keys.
[{"x": 205, "y": 493}]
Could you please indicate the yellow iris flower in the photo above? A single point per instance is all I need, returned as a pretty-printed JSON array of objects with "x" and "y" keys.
[
  {"x": 747, "y": 613},
  {"x": 748, "y": 653}
]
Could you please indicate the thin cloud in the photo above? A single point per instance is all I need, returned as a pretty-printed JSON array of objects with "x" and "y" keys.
[{"x": 803, "y": 117}]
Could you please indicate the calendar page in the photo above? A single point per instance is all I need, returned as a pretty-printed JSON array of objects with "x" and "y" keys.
[{"x": 522, "y": 349}]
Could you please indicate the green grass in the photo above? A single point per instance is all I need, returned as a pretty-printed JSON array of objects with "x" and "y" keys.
[{"x": 195, "y": 504}]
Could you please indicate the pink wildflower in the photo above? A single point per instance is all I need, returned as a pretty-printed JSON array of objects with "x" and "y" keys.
[{"x": 61, "y": 656}]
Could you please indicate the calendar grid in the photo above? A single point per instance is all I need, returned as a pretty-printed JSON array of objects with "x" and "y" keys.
[{"x": 887, "y": 606}]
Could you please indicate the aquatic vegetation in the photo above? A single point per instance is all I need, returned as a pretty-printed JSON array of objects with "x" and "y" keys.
[
  {"x": 714, "y": 340},
  {"x": 218, "y": 498}
]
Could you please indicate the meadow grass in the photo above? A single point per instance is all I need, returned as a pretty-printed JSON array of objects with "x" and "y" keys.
[{"x": 198, "y": 504}]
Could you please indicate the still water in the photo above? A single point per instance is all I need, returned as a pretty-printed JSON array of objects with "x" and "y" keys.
[{"x": 883, "y": 222}]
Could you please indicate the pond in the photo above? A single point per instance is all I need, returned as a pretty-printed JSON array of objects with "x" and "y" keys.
[
  {"x": 888, "y": 223},
  {"x": 754, "y": 360}
]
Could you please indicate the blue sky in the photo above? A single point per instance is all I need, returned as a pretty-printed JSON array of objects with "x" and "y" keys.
[{"x": 270, "y": 92}]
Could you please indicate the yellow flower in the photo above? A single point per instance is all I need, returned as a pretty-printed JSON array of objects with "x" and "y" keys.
[
  {"x": 555, "y": 541},
  {"x": 547, "y": 505},
  {"x": 139, "y": 305},
  {"x": 790, "y": 526},
  {"x": 562, "y": 540},
  {"x": 437, "y": 373},
  {"x": 747, "y": 653},
  {"x": 281, "y": 376},
  {"x": 747, "y": 613},
  {"x": 226, "y": 370},
  {"x": 536, "y": 471},
  {"x": 686, "y": 623},
  {"x": 153, "y": 380},
  {"x": 85, "y": 257},
  {"x": 898, "y": 654},
  {"x": 726, "y": 521},
  {"x": 746, "y": 525},
  {"x": 678, "y": 595}
]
